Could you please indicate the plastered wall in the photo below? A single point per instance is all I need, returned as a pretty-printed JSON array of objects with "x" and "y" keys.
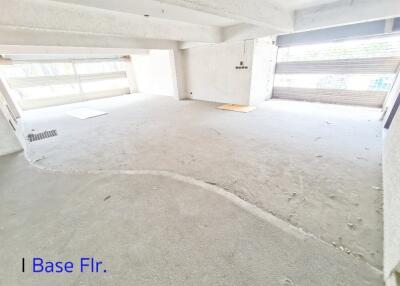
[
  {"x": 391, "y": 184},
  {"x": 391, "y": 187},
  {"x": 8, "y": 139},
  {"x": 211, "y": 73},
  {"x": 263, "y": 70},
  {"x": 153, "y": 73}
]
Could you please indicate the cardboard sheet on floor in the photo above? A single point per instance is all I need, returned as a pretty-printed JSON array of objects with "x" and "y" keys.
[
  {"x": 236, "y": 107},
  {"x": 85, "y": 113}
]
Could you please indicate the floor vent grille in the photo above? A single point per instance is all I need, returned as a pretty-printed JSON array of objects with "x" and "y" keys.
[{"x": 42, "y": 135}]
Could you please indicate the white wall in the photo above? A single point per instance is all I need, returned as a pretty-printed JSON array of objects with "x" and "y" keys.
[
  {"x": 211, "y": 74},
  {"x": 263, "y": 70},
  {"x": 154, "y": 73},
  {"x": 391, "y": 186},
  {"x": 8, "y": 139},
  {"x": 178, "y": 74},
  {"x": 391, "y": 97}
]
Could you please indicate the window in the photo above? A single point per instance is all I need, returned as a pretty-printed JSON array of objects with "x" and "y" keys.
[
  {"x": 364, "y": 48},
  {"x": 38, "y": 92},
  {"x": 108, "y": 84},
  {"x": 362, "y": 70},
  {"x": 99, "y": 67},
  {"x": 37, "y": 69},
  {"x": 375, "y": 82},
  {"x": 49, "y": 82}
]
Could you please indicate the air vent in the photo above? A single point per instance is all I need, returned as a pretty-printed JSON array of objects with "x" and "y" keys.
[{"x": 42, "y": 135}]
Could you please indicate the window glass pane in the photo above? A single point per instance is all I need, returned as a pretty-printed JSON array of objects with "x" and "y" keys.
[
  {"x": 379, "y": 82},
  {"x": 25, "y": 70},
  {"x": 99, "y": 67},
  {"x": 46, "y": 91},
  {"x": 365, "y": 48},
  {"x": 95, "y": 86},
  {"x": 31, "y": 70}
]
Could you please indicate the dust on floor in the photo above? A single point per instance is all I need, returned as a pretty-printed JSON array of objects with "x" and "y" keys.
[
  {"x": 153, "y": 229},
  {"x": 316, "y": 166}
]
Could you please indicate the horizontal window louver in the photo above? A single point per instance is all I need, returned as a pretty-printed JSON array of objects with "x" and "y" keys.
[
  {"x": 354, "y": 72},
  {"x": 42, "y": 83}
]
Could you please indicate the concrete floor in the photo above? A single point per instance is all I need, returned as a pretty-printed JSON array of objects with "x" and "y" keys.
[
  {"x": 310, "y": 166},
  {"x": 153, "y": 228}
]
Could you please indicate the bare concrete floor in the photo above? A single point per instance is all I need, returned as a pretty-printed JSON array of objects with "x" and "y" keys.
[
  {"x": 154, "y": 229},
  {"x": 317, "y": 167}
]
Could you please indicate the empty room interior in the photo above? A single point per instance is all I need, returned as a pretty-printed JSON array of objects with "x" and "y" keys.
[{"x": 200, "y": 142}]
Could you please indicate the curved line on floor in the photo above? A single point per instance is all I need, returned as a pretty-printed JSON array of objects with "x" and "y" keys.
[{"x": 248, "y": 207}]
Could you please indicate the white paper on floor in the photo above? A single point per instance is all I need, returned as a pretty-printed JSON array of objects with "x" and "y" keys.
[{"x": 85, "y": 113}]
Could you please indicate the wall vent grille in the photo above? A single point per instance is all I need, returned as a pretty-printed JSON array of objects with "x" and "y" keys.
[{"x": 42, "y": 135}]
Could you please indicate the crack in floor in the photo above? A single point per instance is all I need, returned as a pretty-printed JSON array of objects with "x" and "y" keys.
[{"x": 262, "y": 214}]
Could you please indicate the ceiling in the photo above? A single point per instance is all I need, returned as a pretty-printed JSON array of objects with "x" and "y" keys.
[
  {"x": 302, "y": 4},
  {"x": 157, "y": 10},
  {"x": 168, "y": 23},
  {"x": 174, "y": 12}
]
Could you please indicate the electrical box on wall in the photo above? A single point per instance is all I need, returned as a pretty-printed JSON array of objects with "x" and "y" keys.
[{"x": 241, "y": 66}]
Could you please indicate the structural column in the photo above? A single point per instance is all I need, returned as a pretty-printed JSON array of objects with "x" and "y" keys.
[{"x": 178, "y": 74}]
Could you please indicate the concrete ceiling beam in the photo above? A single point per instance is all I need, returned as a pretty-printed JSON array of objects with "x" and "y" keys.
[
  {"x": 11, "y": 38},
  {"x": 258, "y": 12},
  {"x": 155, "y": 9},
  {"x": 246, "y": 32},
  {"x": 68, "y": 18},
  {"x": 345, "y": 12}
]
